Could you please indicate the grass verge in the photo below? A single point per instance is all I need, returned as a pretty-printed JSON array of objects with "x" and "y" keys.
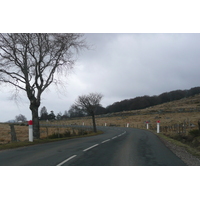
[
  {"x": 189, "y": 149},
  {"x": 14, "y": 145}
]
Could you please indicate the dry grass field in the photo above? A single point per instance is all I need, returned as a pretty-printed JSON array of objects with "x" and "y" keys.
[
  {"x": 23, "y": 131},
  {"x": 5, "y": 136},
  {"x": 185, "y": 112}
]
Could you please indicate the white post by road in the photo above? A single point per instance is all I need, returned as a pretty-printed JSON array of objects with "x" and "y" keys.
[
  {"x": 30, "y": 123},
  {"x": 147, "y": 125},
  {"x": 105, "y": 124},
  {"x": 127, "y": 125},
  {"x": 158, "y": 126}
]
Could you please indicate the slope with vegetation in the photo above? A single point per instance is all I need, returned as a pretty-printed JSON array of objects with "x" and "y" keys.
[{"x": 137, "y": 103}]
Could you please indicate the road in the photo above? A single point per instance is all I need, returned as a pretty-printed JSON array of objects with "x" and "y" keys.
[{"x": 116, "y": 147}]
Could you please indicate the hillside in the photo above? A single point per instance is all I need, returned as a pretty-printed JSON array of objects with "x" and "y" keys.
[
  {"x": 190, "y": 104},
  {"x": 185, "y": 110},
  {"x": 136, "y": 103},
  {"x": 147, "y": 101}
]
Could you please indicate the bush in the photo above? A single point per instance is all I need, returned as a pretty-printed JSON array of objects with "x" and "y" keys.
[
  {"x": 59, "y": 135},
  {"x": 196, "y": 141},
  {"x": 194, "y": 133},
  {"x": 67, "y": 134},
  {"x": 82, "y": 132},
  {"x": 53, "y": 136}
]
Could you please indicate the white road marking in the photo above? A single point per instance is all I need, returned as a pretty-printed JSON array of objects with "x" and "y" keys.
[
  {"x": 106, "y": 141},
  {"x": 91, "y": 147},
  {"x": 66, "y": 160}
]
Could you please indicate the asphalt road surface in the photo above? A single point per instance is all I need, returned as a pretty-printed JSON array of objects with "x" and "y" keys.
[{"x": 117, "y": 146}]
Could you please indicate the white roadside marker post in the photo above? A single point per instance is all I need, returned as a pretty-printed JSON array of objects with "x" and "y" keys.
[
  {"x": 147, "y": 125},
  {"x": 83, "y": 123},
  {"x": 105, "y": 124},
  {"x": 127, "y": 125},
  {"x": 30, "y": 123},
  {"x": 158, "y": 126}
]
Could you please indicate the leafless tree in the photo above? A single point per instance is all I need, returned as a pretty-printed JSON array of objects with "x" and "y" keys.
[
  {"x": 89, "y": 103},
  {"x": 30, "y": 63},
  {"x": 20, "y": 118}
]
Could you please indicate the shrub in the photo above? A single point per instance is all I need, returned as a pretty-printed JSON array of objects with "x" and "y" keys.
[
  {"x": 67, "y": 134},
  {"x": 82, "y": 132},
  {"x": 59, "y": 135},
  {"x": 53, "y": 136},
  {"x": 194, "y": 132}
]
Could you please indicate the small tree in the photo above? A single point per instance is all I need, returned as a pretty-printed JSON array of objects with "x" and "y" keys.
[
  {"x": 20, "y": 118},
  {"x": 51, "y": 116},
  {"x": 43, "y": 113},
  {"x": 65, "y": 115},
  {"x": 76, "y": 111},
  {"x": 59, "y": 116},
  {"x": 89, "y": 103}
]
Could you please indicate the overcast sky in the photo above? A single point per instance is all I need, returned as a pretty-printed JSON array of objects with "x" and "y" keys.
[{"x": 120, "y": 66}]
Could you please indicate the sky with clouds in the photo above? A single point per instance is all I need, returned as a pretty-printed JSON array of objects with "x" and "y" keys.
[{"x": 120, "y": 66}]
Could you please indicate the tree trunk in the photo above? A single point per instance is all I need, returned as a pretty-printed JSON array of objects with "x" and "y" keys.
[
  {"x": 36, "y": 125},
  {"x": 94, "y": 124}
]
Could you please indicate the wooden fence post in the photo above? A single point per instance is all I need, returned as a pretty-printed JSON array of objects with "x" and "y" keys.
[{"x": 13, "y": 133}]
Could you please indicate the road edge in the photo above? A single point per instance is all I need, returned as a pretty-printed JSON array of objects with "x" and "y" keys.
[{"x": 180, "y": 151}]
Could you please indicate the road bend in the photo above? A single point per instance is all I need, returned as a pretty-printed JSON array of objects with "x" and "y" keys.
[{"x": 117, "y": 146}]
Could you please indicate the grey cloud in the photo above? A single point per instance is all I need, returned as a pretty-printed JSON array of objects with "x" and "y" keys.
[{"x": 128, "y": 65}]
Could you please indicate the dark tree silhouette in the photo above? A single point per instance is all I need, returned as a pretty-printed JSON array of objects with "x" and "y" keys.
[
  {"x": 20, "y": 118},
  {"x": 89, "y": 103},
  {"x": 43, "y": 113},
  {"x": 147, "y": 101}
]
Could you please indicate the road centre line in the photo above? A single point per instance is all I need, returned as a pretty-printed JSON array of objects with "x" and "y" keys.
[
  {"x": 91, "y": 147},
  {"x": 66, "y": 160},
  {"x": 88, "y": 149},
  {"x": 105, "y": 141}
]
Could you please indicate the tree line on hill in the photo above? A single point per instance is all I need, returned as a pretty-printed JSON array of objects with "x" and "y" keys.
[
  {"x": 124, "y": 105},
  {"x": 148, "y": 101}
]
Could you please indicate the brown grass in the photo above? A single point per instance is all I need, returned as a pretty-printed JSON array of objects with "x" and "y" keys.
[
  {"x": 5, "y": 136},
  {"x": 23, "y": 131}
]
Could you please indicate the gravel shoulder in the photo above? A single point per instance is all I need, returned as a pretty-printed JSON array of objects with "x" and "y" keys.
[{"x": 182, "y": 153}]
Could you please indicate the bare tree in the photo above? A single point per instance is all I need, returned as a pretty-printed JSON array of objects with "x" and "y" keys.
[
  {"x": 30, "y": 62},
  {"x": 89, "y": 103},
  {"x": 20, "y": 118}
]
